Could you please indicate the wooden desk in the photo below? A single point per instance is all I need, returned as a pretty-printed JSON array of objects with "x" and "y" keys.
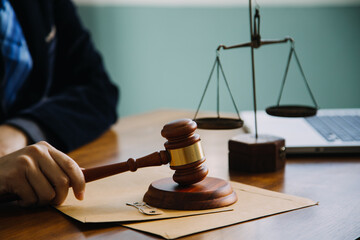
[{"x": 333, "y": 181}]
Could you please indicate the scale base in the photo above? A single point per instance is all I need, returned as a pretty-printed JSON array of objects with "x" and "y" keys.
[
  {"x": 264, "y": 154},
  {"x": 207, "y": 194}
]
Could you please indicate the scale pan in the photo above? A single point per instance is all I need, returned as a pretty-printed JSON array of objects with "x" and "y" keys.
[
  {"x": 219, "y": 123},
  {"x": 291, "y": 111}
]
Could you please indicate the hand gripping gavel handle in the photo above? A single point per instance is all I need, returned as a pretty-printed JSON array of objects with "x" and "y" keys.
[{"x": 92, "y": 174}]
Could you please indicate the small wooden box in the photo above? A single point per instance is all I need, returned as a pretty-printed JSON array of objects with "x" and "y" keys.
[{"x": 264, "y": 154}]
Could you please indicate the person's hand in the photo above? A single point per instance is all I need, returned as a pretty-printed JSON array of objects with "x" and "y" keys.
[
  {"x": 11, "y": 139},
  {"x": 40, "y": 174}
]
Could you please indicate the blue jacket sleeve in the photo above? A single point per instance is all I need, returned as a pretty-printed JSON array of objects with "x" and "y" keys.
[{"x": 81, "y": 103}]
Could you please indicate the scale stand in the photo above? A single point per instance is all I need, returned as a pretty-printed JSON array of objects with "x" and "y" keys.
[{"x": 254, "y": 152}]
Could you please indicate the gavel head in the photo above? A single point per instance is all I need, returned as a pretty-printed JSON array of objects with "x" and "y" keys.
[{"x": 186, "y": 154}]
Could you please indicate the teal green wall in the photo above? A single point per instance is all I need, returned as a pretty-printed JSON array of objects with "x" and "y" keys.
[{"x": 161, "y": 56}]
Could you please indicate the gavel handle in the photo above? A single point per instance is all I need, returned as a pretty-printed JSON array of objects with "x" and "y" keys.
[
  {"x": 154, "y": 159},
  {"x": 92, "y": 174}
]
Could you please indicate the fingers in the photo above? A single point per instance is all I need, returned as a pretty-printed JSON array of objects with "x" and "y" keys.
[
  {"x": 45, "y": 176},
  {"x": 40, "y": 174},
  {"x": 25, "y": 181},
  {"x": 51, "y": 171},
  {"x": 27, "y": 196},
  {"x": 25, "y": 192},
  {"x": 39, "y": 183},
  {"x": 75, "y": 176}
]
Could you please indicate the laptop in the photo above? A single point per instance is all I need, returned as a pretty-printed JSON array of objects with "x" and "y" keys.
[{"x": 330, "y": 131}]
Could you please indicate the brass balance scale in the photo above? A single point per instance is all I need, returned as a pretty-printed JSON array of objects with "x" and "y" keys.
[{"x": 254, "y": 152}]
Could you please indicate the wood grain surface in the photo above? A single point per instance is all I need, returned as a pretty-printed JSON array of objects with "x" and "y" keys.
[{"x": 334, "y": 181}]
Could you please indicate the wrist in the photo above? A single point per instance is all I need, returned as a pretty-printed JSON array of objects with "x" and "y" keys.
[
  {"x": 19, "y": 135},
  {"x": 11, "y": 139},
  {"x": 32, "y": 130}
]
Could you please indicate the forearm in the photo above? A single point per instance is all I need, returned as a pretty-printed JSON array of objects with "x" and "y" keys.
[{"x": 11, "y": 139}]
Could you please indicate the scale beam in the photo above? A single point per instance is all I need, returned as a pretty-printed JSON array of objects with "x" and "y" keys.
[{"x": 255, "y": 44}]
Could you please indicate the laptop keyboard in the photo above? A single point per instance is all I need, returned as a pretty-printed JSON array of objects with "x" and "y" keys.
[{"x": 332, "y": 128}]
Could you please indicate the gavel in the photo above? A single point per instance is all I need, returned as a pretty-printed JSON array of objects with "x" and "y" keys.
[{"x": 183, "y": 152}]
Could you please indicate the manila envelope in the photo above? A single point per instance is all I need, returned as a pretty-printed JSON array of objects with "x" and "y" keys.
[
  {"x": 105, "y": 201},
  {"x": 252, "y": 203}
]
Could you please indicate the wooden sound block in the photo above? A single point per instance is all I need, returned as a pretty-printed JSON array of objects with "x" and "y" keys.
[
  {"x": 256, "y": 155},
  {"x": 207, "y": 194}
]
